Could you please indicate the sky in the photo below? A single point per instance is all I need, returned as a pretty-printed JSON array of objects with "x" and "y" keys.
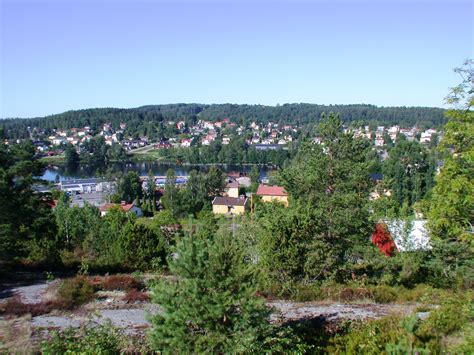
[{"x": 63, "y": 55}]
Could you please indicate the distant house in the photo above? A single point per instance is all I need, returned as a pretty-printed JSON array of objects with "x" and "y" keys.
[
  {"x": 126, "y": 207},
  {"x": 273, "y": 193},
  {"x": 232, "y": 189},
  {"x": 409, "y": 235},
  {"x": 267, "y": 147},
  {"x": 186, "y": 142},
  {"x": 229, "y": 205}
]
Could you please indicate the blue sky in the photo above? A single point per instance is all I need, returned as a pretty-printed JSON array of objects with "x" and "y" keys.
[{"x": 62, "y": 55}]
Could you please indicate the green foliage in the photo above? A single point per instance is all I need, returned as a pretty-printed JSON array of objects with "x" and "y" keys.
[
  {"x": 27, "y": 228},
  {"x": 368, "y": 338},
  {"x": 170, "y": 199},
  {"x": 395, "y": 335},
  {"x": 409, "y": 171},
  {"x": 451, "y": 215},
  {"x": 90, "y": 339},
  {"x": 196, "y": 195},
  {"x": 329, "y": 186},
  {"x": 130, "y": 187},
  {"x": 150, "y": 120},
  {"x": 142, "y": 247},
  {"x": 122, "y": 241},
  {"x": 211, "y": 305},
  {"x": 75, "y": 224},
  {"x": 75, "y": 291},
  {"x": 72, "y": 159}
]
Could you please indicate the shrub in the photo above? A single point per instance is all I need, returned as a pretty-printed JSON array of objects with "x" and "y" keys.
[
  {"x": 90, "y": 339},
  {"x": 74, "y": 292},
  {"x": 136, "y": 296},
  {"x": 384, "y": 294},
  {"x": 14, "y": 306},
  {"x": 450, "y": 317},
  {"x": 120, "y": 282}
]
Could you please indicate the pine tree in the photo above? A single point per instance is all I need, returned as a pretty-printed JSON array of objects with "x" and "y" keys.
[
  {"x": 171, "y": 198},
  {"x": 330, "y": 185},
  {"x": 211, "y": 305},
  {"x": 451, "y": 214}
]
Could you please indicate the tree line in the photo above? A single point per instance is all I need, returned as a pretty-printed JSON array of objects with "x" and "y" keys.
[{"x": 151, "y": 121}]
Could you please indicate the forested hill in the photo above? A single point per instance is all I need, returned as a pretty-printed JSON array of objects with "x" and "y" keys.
[{"x": 145, "y": 117}]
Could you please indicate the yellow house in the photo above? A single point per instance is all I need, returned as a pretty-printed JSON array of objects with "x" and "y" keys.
[
  {"x": 273, "y": 193},
  {"x": 232, "y": 189},
  {"x": 229, "y": 205}
]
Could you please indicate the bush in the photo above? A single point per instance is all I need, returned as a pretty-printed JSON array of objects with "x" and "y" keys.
[
  {"x": 368, "y": 338},
  {"x": 90, "y": 339},
  {"x": 384, "y": 294},
  {"x": 450, "y": 317},
  {"x": 15, "y": 307},
  {"x": 136, "y": 296},
  {"x": 345, "y": 293},
  {"x": 74, "y": 292},
  {"x": 120, "y": 282}
]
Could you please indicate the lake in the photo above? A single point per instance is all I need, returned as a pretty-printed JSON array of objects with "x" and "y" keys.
[{"x": 158, "y": 169}]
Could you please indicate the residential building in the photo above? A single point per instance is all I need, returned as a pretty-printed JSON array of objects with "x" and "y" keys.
[
  {"x": 232, "y": 189},
  {"x": 229, "y": 205},
  {"x": 273, "y": 193},
  {"x": 126, "y": 207}
]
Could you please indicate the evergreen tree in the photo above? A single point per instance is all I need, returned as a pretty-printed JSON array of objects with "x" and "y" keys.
[
  {"x": 150, "y": 191},
  {"x": 171, "y": 197},
  {"x": 451, "y": 213},
  {"x": 27, "y": 227},
  {"x": 211, "y": 305},
  {"x": 130, "y": 188},
  {"x": 330, "y": 185},
  {"x": 215, "y": 182},
  {"x": 72, "y": 158},
  {"x": 409, "y": 171},
  {"x": 254, "y": 178}
]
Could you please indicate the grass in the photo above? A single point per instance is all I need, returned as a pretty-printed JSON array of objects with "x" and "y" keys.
[
  {"x": 357, "y": 293},
  {"x": 447, "y": 329},
  {"x": 15, "y": 336},
  {"x": 149, "y": 155},
  {"x": 55, "y": 159}
]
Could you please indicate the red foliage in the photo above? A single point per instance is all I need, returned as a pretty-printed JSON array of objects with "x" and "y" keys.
[
  {"x": 383, "y": 240},
  {"x": 120, "y": 282},
  {"x": 136, "y": 296},
  {"x": 15, "y": 306}
]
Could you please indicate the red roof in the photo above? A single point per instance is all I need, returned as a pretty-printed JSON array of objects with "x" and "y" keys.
[
  {"x": 124, "y": 206},
  {"x": 265, "y": 190}
]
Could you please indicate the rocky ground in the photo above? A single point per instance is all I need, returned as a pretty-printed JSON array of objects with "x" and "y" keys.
[{"x": 109, "y": 306}]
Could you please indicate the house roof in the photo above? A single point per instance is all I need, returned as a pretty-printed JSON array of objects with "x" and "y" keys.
[
  {"x": 265, "y": 190},
  {"x": 232, "y": 184},
  {"x": 229, "y": 201},
  {"x": 124, "y": 206}
]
